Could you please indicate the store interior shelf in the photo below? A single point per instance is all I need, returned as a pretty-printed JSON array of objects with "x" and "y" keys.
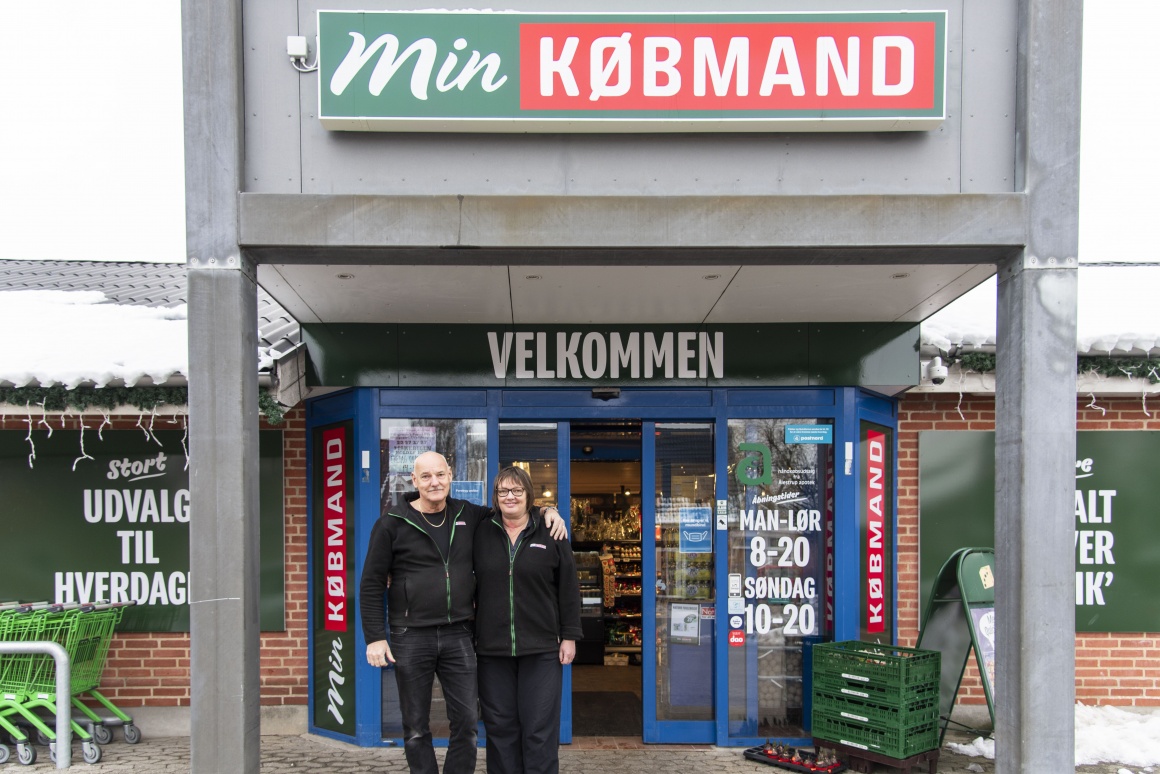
[{"x": 622, "y": 648}]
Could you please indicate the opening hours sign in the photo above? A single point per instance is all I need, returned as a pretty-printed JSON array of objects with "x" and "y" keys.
[{"x": 516, "y": 72}]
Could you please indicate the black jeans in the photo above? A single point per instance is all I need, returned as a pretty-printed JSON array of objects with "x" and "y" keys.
[
  {"x": 520, "y": 700},
  {"x": 421, "y": 654}
]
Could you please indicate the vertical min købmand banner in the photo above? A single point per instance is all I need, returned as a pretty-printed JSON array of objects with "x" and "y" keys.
[{"x": 519, "y": 72}]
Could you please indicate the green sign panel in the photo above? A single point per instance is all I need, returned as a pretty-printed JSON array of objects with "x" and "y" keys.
[
  {"x": 1116, "y": 490},
  {"x": 733, "y": 355},
  {"x": 631, "y": 72},
  {"x": 332, "y": 573},
  {"x": 90, "y": 516}
]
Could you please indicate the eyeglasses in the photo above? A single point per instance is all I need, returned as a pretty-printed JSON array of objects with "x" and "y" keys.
[{"x": 517, "y": 491}]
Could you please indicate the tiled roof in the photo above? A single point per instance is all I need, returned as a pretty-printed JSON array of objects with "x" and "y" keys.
[{"x": 144, "y": 284}]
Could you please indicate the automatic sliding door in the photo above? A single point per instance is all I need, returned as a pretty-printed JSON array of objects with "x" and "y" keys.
[{"x": 684, "y": 611}]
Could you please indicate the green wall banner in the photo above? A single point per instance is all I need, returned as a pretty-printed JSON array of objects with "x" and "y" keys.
[
  {"x": 1116, "y": 546},
  {"x": 332, "y": 568},
  {"x": 631, "y": 72},
  {"x": 104, "y": 515},
  {"x": 730, "y": 355}
]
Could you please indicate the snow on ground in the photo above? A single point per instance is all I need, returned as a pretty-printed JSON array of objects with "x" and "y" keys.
[
  {"x": 1102, "y": 735},
  {"x": 62, "y": 337}
]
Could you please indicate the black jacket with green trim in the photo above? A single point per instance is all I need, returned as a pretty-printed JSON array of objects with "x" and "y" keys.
[
  {"x": 527, "y": 604},
  {"x": 426, "y": 588}
]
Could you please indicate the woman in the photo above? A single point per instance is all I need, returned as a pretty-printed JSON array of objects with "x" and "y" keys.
[{"x": 527, "y": 621}]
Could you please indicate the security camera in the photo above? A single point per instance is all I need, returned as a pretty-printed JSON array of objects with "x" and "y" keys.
[{"x": 936, "y": 370}]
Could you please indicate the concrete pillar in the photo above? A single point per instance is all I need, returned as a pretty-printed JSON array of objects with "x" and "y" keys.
[
  {"x": 1035, "y": 408},
  {"x": 223, "y": 527},
  {"x": 1035, "y": 520},
  {"x": 223, "y": 401}
]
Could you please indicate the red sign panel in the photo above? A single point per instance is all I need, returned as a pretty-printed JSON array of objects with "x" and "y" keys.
[
  {"x": 690, "y": 66},
  {"x": 876, "y": 530},
  {"x": 737, "y": 638},
  {"x": 335, "y": 554}
]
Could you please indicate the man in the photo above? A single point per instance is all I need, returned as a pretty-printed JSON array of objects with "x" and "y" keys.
[{"x": 425, "y": 550}]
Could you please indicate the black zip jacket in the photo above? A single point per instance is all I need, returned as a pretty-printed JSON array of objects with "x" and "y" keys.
[
  {"x": 426, "y": 588},
  {"x": 527, "y": 604}
]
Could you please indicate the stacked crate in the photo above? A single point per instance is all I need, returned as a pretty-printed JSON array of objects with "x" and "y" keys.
[{"x": 879, "y": 698}]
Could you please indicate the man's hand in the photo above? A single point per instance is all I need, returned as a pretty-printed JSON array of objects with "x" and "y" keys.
[
  {"x": 567, "y": 651},
  {"x": 379, "y": 654},
  {"x": 555, "y": 523}
]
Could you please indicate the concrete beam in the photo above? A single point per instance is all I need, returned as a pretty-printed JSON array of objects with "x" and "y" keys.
[{"x": 813, "y": 225}]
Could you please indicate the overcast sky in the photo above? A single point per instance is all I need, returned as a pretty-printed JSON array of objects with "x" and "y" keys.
[{"x": 91, "y": 143}]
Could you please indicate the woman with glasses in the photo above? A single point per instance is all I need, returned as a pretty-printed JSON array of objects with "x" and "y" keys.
[{"x": 527, "y": 622}]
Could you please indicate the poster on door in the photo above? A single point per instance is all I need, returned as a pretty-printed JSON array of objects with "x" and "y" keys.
[{"x": 776, "y": 591}]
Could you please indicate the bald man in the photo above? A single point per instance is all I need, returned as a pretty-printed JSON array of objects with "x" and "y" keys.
[{"x": 425, "y": 548}]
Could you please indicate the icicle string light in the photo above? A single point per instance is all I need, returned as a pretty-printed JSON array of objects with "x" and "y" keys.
[
  {"x": 84, "y": 454},
  {"x": 959, "y": 407},
  {"x": 1102, "y": 410},
  {"x": 152, "y": 418},
  {"x": 185, "y": 439},
  {"x": 44, "y": 419},
  {"x": 31, "y": 443}
]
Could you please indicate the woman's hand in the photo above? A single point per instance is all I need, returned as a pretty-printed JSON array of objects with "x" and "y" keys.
[
  {"x": 555, "y": 523},
  {"x": 567, "y": 651}
]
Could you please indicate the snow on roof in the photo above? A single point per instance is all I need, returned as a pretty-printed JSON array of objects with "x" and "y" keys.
[
  {"x": 82, "y": 322},
  {"x": 1117, "y": 314},
  {"x": 96, "y": 323},
  {"x": 78, "y": 337}
]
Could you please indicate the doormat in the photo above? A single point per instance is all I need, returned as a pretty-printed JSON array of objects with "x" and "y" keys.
[{"x": 606, "y": 713}]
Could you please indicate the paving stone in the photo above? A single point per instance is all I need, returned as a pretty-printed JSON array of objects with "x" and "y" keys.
[{"x": 308, "y": 754}]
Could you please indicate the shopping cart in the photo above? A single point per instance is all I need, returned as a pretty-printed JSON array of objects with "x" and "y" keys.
[
  {"x": 88, "y": 647},
  {"x": 28, "y": 681},
  {"x": 15, "y": 675}
]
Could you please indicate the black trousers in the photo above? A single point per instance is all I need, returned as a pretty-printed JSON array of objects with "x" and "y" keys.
[
  {"x": 520, "y": 701},
  {"x": 421, "y": 654}
]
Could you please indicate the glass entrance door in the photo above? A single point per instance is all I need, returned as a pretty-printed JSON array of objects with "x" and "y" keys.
[
  {"x": 680, "y": 601},
  {"x": 781, "y": 488}
]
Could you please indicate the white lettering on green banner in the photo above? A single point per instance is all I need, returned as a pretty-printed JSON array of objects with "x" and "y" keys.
[{"x": 517, "y": 72}]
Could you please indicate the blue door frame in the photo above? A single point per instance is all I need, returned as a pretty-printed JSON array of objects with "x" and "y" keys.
[{"x": 846, "y": 407}]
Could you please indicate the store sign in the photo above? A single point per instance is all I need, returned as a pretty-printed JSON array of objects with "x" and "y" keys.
[
  {"x": 333, "y": 643},
  {"x": 727, "y": 355},
  {"x": 103, "y": 515},
  {"x": 607, "y": 354},
  {"x": 631, "y": 72},
  {"x": 1115, "y": 537},
  {"x": 875, "y": 490}
]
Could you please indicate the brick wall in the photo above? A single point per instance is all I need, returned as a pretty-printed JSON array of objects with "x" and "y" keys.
[
  {"x": 1121, "y": 668},
  {"x": 152, "y": 669},
  {"x": 1116, "y": 668}
]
